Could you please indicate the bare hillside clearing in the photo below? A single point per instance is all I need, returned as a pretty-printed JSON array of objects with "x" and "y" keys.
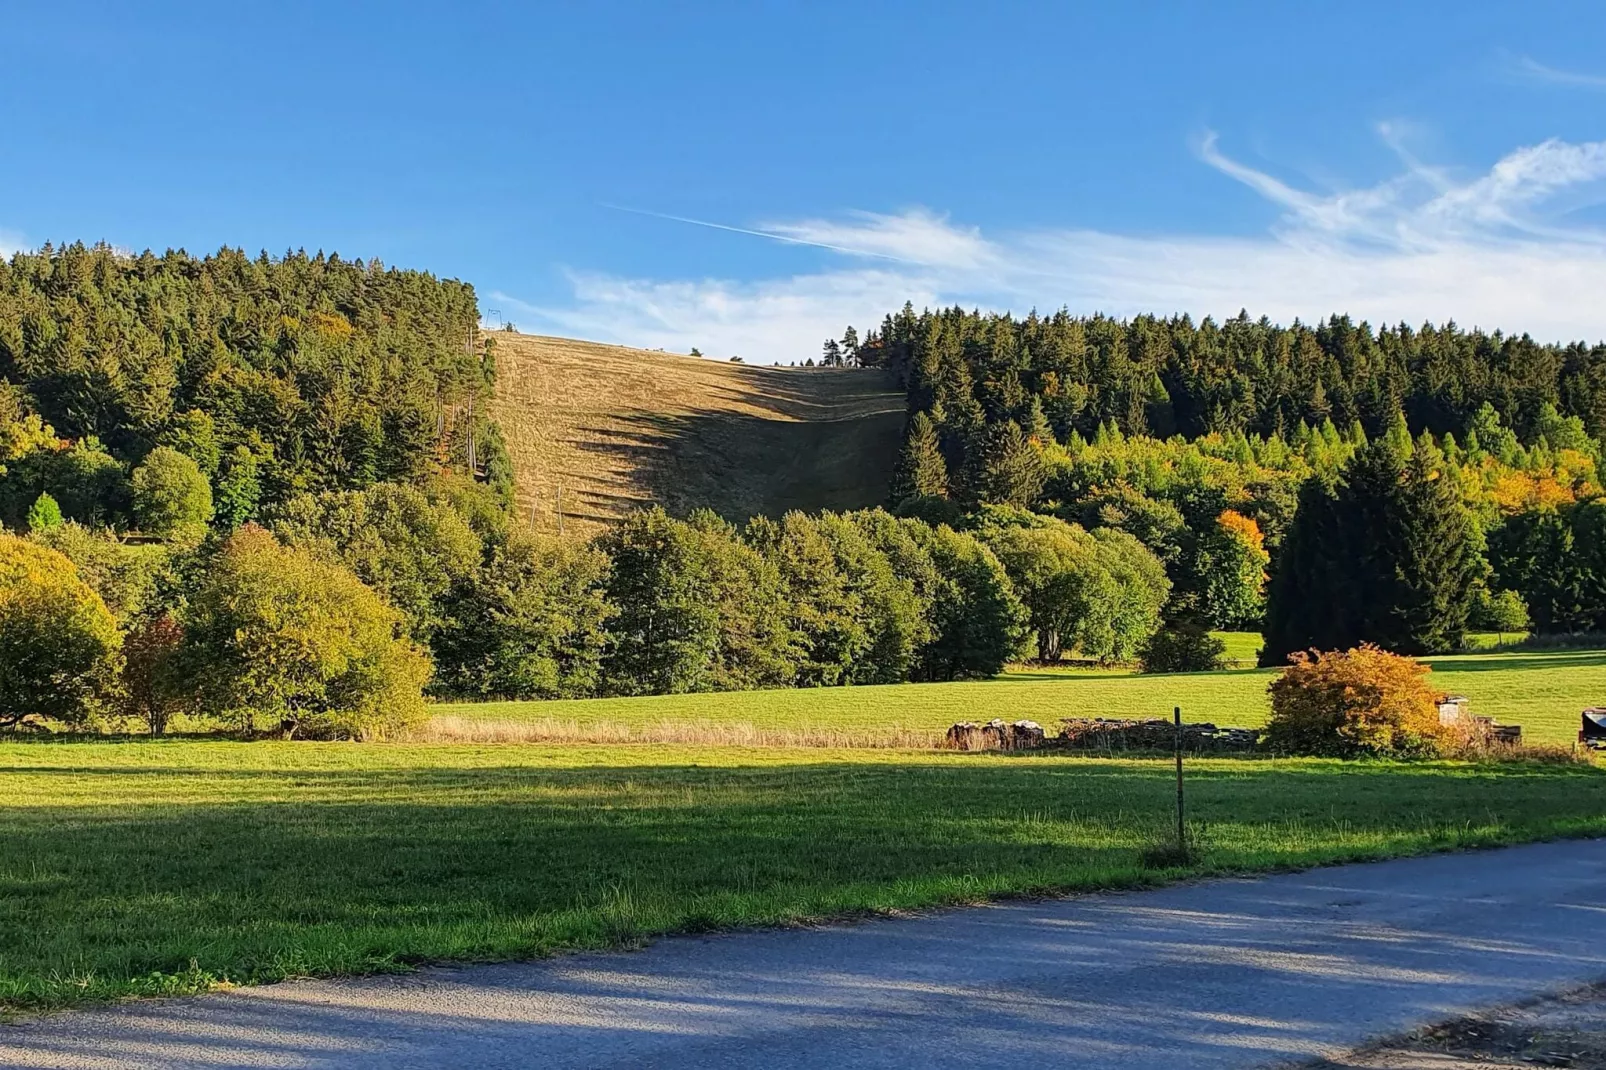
[{"x": 612, "y": 429}]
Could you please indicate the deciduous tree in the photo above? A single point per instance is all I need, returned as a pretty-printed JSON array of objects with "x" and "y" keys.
[
  {"x": 276, "y": 637},
  {"x": 58, "y": 641},
  {"x": 171, "y": 497}
]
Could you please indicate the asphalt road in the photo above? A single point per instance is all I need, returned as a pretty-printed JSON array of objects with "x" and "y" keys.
[{"x": 1238, "y": 973}]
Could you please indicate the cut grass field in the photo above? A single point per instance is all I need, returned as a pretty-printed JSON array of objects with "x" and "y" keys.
[
  {"x": 1542, "y": 691},
  {"x": 165, "y": 867},
  {"x": 615, "y": 428}
]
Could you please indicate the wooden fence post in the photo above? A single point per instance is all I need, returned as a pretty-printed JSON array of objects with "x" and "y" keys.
[{"x": 1182, "y": 842}]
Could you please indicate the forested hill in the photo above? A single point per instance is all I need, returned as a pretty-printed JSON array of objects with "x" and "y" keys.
[
  {"x": 1061, "y": 374},
  {"x": 277, "y": 375}
]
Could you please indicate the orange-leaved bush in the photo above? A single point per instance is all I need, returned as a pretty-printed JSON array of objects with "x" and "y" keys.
[{"x": 1350, "y": 703}]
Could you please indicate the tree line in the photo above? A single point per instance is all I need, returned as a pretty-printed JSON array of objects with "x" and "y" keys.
[
  {"x": 1152, "y": 376},
  {"x": 335, "y": 614}
]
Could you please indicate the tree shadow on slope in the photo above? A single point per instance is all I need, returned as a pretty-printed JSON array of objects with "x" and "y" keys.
[
  {"x": 1572, "y": 659},
  {"x": 741, "y": 465}
]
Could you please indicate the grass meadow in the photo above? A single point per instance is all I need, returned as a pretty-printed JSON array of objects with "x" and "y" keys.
[
  {"x": 1542, "y": 691},
  {"x": 133, "y": 868}
]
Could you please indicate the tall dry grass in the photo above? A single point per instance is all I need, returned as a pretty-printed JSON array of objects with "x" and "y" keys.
[{"x": 455, "y": 729}]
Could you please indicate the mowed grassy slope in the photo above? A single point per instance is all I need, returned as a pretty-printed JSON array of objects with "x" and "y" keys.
[
  {"x": 132, "y": 868},
  {"x": 1543, "y": 692},
  {"x": 620, "y": 428}
]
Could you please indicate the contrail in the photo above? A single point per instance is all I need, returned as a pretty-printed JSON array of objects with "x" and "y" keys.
[{"x": 755, "y": 233}]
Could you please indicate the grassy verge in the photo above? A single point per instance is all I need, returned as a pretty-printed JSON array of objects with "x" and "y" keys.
[
  {"x": 1543, "y": 691},
  {"x": 144, "y": 868}
]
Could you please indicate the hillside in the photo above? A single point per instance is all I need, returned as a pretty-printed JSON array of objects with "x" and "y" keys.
[{"x": 612, "y": 428}]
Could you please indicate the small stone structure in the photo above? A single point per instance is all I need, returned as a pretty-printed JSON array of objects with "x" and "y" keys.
[{"x": 996, "y": 735}]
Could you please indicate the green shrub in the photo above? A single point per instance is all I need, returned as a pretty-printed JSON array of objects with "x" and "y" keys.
[
  {"x": 44, "y": 514},
  {"x": 1183, "y": 646}
]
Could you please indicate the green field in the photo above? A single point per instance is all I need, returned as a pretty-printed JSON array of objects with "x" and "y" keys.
[
  {"x": 1542, "y": 691},
  {"x": 171, "y": 866},
  {"x": 1242, "y": 647}
]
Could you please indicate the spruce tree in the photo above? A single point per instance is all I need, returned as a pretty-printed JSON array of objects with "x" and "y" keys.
[
  {"x": 1037, "y": 427},
  {"x": 921, "y": 471},
  {"x": 1388, "y": 556},
  {"x": 1308, "y": 603},
  {"x": 1012, "y": 470},
  {"x": 1436, "y": 558},
  {"x": 1367, "y": 547}
]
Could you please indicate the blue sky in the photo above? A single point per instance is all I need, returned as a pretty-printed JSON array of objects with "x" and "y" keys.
[{"x": 1397, "y": 161}]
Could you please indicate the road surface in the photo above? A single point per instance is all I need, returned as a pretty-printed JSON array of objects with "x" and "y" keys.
[{"x": 1231, "y": 973}]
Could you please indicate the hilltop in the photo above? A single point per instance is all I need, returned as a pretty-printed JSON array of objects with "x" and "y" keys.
[{"x": 615, "y": 428}]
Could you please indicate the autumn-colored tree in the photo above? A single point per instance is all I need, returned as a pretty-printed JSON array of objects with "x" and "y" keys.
[
  {"x": 1363, "y": 701},
  {"x": 152, "y": 689},
  {"x": 58, "y": 641},
  {"x": 1232, "y": 563}
]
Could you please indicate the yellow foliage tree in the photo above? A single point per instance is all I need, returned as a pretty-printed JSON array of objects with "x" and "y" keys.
[{"x": 58, "y": 641}]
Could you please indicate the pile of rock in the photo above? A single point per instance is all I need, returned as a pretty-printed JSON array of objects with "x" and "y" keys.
[
  {"x": 996, "y": 735},
  {"x": 1156, "y": 734}
]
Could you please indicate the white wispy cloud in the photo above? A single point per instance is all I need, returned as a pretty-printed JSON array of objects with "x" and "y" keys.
[
  {"x": 1533, "y": 70},
  {"x": 1501, "y": 249}
]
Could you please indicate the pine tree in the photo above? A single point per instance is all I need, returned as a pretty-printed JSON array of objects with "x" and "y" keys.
[
  {"x": 832, "y": 357},
  {"x": 921, "y": 471}
]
